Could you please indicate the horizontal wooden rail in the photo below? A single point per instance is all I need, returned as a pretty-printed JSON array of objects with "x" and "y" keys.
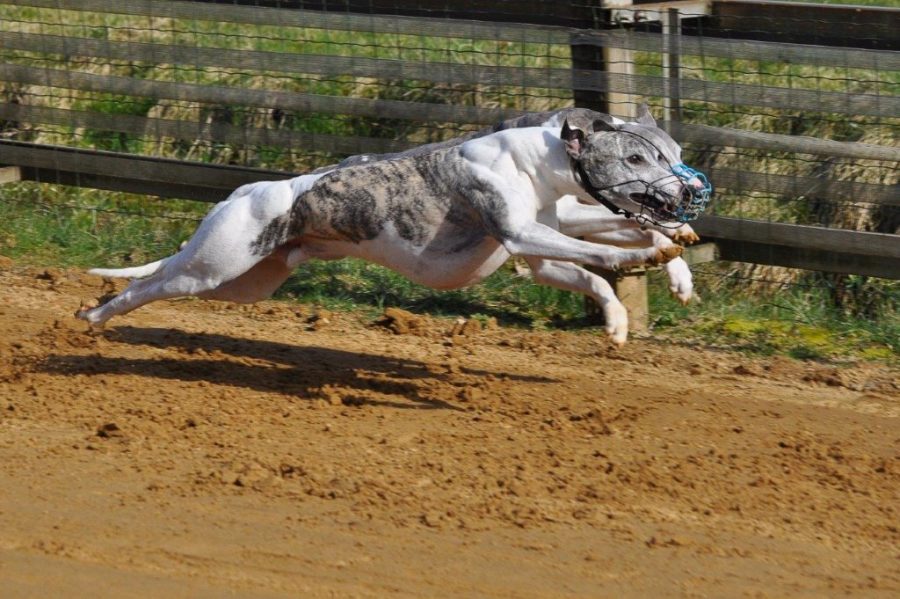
[
  {"x": 262, "y": 98},
  {"x": 155, "y": 129},
  {"x": 397, "y": 109},
  {"x": 258, "y": 62},
  {"x": 816, "y": 55},
  {"x": 797, "y": 246},
  {"x": 724, "y": 178},
  {"x": 775, "y": 142},
  {"x": 163, "y": 177},
  {"x": 315, "y": 19},
  {"x": 800, "y": 246},
  {"x": 799, "y": 186}
]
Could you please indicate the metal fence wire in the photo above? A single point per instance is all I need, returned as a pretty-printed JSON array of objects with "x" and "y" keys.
[{"x": 792, "y": 110}]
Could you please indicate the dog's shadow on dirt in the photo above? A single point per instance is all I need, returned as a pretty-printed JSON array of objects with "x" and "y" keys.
[{"x": 268, "y": 366}]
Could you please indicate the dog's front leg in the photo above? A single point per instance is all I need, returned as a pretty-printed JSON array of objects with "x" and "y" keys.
[
  {"x": 681, "y": 283},
  {"x": 579, "y": 220},
  {"x": 535, "y": 240},
  {"x": 571, "y": 277},
  {"x": 597, "y": 225}
]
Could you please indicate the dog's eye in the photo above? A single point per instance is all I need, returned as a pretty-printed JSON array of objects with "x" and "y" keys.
[
  {"x": 659, "y": 158},
  {"x": 635, "y": 159}
]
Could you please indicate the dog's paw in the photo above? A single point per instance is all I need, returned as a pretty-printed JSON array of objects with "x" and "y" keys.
[
  {"x": 685, "y": 235},
  {"x": 666, "y": 254},
  {"x": 616, "y": 323},
  {"x": 87, "y": 312},
  {"x": 86, "y": 306},
  {"x": 681, "y": 282}
]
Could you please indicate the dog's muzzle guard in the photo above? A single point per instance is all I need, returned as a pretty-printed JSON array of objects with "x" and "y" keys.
[{"x": 658, "y": 206}]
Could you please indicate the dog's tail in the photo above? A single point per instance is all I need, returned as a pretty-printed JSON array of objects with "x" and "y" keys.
[{"x": 130, "y": 273}]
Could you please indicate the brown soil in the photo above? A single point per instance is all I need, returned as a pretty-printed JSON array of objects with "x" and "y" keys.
[{"x": 202, "y": 449}]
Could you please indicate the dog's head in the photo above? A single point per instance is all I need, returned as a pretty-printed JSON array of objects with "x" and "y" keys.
[{"x": 634, "y": 167}]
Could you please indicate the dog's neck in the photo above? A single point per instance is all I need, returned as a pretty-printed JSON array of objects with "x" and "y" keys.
[{"x": 541, "y": 155}]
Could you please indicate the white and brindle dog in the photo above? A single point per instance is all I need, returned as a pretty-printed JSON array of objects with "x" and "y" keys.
[{"x": 449, "y": 215}]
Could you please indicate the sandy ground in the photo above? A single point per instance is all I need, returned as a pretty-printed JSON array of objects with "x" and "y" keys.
[{"x": 197, "y": 449}]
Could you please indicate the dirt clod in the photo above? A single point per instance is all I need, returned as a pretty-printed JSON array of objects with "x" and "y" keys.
[{"x": 402, "y": 322}]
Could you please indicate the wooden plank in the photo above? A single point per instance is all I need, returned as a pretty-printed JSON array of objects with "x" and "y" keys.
[
  {"x": 807, "y": 22},
  {"x": 774, "y": 142},
  {"x": 795, "y": 186},
  {"x": 835, "y": 241},
  {"x": 442, "y": 72},
  {"x": 138, "y": 169},
  {"x": 395, "y": 109},
  {"x": 263, "y": 98},
  {"x": 520, "y": 21},
  {"x": 807, "y": 259},
  {"x": 153, "y": 128},
  {"x": 738, "y": 49},
  {"x": 160, "y": 189},
  {"x": 339, "y": 20}
]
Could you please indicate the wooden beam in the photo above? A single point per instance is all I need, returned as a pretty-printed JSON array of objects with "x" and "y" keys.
[
  {"x": 873, "y": 27},
  {"x": 808, "y": 259},
  {"x": 775, "y": 142},
  {"x": 127, "y": 172}
]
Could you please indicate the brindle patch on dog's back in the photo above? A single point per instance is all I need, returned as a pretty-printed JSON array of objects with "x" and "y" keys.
[{"x": 415, "y": 194}]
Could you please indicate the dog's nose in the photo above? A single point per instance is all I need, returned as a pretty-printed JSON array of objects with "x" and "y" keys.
[{"x": 696, "y": 183}]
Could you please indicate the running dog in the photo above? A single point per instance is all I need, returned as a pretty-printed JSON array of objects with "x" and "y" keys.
[{"x": 448, "y": 217}]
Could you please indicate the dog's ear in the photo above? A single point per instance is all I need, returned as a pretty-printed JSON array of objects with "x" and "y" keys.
[
  {"x": 573, "y": 136},
  {"x": 644, "y": 117},
  {"x": 581, "y": 123},
  {"x": 603, "y": 122}
]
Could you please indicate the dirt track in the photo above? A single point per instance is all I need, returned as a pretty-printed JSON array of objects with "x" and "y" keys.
[{"x": 197, "y": 449}]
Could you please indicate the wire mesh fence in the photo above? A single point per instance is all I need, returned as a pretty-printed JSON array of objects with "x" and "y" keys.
[{"x": 290, "y": 86}]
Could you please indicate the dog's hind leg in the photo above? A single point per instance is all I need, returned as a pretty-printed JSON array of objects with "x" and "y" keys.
[
  {"x": 257, "y": 280},
  {"x": 571, "y": 277},
  {"x": 219, "y": 252},
  {"x": 261, "y": 281},
  {"x": 140, "y": 292}
]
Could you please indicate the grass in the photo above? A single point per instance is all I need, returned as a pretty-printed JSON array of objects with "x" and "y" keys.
[
  {"x": 785, "y": 319},
  {"x": 43, "y": 224}
]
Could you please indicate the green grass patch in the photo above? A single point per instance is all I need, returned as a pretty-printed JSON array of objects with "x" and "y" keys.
[{"x": 795, "y": 320}]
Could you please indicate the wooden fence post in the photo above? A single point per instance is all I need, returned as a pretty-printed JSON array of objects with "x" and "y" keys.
[
  {"x": 630, "y": 287},
  {"x": 10, "y": 174},
  {"x": 671, "y": 65}
]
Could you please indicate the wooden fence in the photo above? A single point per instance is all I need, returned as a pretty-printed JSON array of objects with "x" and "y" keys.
[{"x": 600, "y": 74}]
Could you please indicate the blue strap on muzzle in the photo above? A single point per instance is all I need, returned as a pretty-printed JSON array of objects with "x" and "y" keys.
[{"x": 697, "y": 193}]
